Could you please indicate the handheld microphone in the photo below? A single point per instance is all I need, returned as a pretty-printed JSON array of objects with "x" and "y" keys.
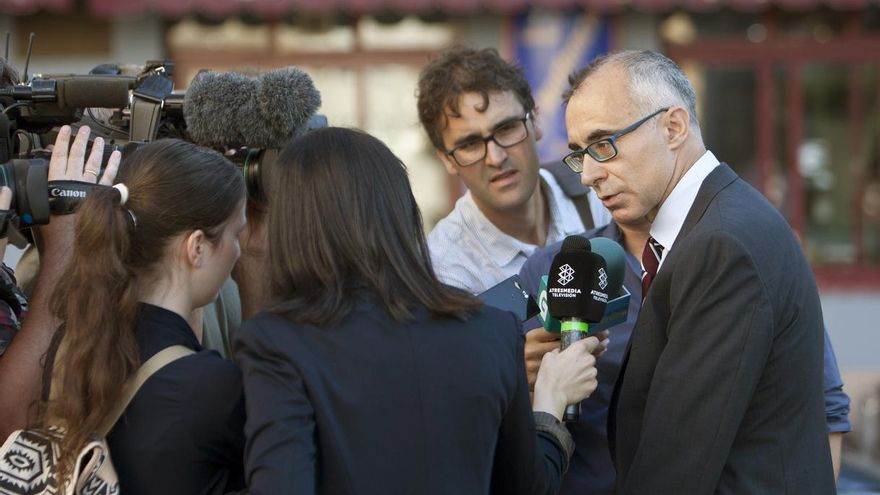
[
  {"x": 229, "y": 110},
  {"x": 576, "y": 294},
  {"x": 615, "y": 258}
]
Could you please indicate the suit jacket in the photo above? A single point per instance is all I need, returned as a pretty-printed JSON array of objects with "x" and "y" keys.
[
  {"x": 375, "y": 406},
  {"x": 721, "y": 390}
]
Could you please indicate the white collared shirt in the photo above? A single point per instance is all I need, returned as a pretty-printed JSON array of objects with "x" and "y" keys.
[
  {"x": 670, "y": 218},
  {"x": 471, "y": 253}
]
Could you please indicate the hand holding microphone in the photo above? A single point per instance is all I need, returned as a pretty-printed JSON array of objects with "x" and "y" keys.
[
  {"x": 577, "y": 295},
  {"x": 566, "y": 377},
  {"x": 538, "y": 343}
]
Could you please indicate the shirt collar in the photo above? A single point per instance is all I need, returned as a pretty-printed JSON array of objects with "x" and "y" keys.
[
  {"x": 674, "y": 210},
  {"x": 158, "y": 328},
  {"x": 564, "y": 221},
  {"x": 564, "y": 217}
]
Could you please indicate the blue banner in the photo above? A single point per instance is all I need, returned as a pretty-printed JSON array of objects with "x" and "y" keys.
[{"x": 550, "y": 46}]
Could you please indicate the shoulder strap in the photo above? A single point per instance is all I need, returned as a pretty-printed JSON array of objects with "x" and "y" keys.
[
  {"x": 570, "y": 182},
  {"x": 154, "y": 364}
]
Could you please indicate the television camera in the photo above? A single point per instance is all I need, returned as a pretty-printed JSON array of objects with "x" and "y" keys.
[{"x": 249, "y": 119}]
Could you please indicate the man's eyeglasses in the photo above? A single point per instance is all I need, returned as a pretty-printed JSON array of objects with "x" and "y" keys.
[
  {"x": 507, "y": 135},
  {"x": 603, "y": 149}
]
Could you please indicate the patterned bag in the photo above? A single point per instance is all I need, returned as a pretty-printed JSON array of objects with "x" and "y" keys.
[{"x": 28, "y": 458}]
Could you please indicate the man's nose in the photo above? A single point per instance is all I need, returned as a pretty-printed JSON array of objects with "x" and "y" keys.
[
  {"x": 592, "y": 172},
  {"x": 495, "y": 154}
]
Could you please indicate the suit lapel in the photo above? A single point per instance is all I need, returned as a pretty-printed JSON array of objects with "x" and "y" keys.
[{"x": 718, "y": 179}]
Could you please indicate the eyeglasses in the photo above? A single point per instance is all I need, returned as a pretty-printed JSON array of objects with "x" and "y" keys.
[
  {"x": 603, "y": 149},
  {"x": 509, "y": 134}
]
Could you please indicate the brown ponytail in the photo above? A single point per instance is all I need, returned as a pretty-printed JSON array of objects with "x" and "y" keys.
[{"x": 173, "y": 187}]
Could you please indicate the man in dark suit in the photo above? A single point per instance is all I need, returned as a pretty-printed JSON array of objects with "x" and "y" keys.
[{"x": 721, "y": 388}]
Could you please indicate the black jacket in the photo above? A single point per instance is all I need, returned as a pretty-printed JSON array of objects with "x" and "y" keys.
[
  {"x": 182, "y": 432},
  {"x": 373, "y": 406},
  {"x": 721, "y": 391}
]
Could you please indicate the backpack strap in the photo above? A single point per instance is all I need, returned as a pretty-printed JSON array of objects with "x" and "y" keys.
[
  {"x": 570, "y": 182},
  {"x": 154, "y": 364}
]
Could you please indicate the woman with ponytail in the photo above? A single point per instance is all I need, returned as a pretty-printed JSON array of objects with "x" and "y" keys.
[{"x": 148, "y": 253}]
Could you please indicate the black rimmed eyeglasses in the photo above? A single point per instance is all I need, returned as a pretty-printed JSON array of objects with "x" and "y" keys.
[
  {"x": 506, "y": 135},
  {"x": 603, "y": 149}
]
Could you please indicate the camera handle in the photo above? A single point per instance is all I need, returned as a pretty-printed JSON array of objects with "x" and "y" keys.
[{"x": 146, "y": 107}]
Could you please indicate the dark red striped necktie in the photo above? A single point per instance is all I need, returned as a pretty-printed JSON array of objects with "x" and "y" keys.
[{"x": 651, "y": 256}]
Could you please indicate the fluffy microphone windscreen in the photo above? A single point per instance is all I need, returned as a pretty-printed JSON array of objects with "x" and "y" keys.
[
  {"x": 214, "y": 106},
  {"x": 287, "y": 99},
  {"x": 231, "y": 110}
]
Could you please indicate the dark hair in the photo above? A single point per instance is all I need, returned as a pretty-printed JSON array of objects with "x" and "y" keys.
[
  {"x": 173, "y": 187},
  {"x": 655, "y": 81},
  {"x": 462, "y": 70},
  {"x": 343, "y": 219}
]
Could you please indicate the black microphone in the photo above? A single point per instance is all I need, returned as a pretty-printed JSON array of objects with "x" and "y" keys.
[
  {"x": 615, "y": 260},
  {"x": 70, "y": 93},
  {"x": 576, "y": 294},
  {"x": 95, "y": 91},
  {"x": 230, "y": 110}
]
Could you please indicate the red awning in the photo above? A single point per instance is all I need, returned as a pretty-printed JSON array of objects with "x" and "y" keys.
[
  {"x": 25, "y": 7},
  {"x": 280, "y": 8}
]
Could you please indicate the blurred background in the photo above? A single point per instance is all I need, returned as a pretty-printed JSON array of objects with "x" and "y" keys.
[{"x": 789, "y": 96}]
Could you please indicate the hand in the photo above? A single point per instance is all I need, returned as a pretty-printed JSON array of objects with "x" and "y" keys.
[
  {"x": 68, "y": 162},
  {"x": 566, "y": 377},
  {"x": 538, "y": 343},
  {"x": 603, "y": 343}
]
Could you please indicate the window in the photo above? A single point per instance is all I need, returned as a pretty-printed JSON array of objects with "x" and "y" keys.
[{"x": 366, "y": 70}]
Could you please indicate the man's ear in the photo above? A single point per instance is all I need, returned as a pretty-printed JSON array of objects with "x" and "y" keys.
[
  {"x": 451, "y": 166},
  {"x": 677, "y": 124},
  {"x": 195, "y": 246},
  {"x": 536, "y": 123}
]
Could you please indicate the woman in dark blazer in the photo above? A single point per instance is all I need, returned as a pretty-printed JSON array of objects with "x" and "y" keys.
[{"x": 368, "y": 375}]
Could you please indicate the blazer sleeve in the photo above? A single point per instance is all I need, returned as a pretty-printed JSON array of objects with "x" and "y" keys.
[
  {"x": 836, "y": 400},
  {"x": 280, "y": 449},
  {"x": 526, "y": 461},
  {"x": 719, "y": 337}
]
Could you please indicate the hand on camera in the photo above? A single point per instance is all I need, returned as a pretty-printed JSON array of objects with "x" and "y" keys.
[
  {"x": 69, "y": 162},
  {"x": 566, "y": 377}
]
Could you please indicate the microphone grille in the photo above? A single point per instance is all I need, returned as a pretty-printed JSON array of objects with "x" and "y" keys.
[{"x": 575, "y": 243}]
